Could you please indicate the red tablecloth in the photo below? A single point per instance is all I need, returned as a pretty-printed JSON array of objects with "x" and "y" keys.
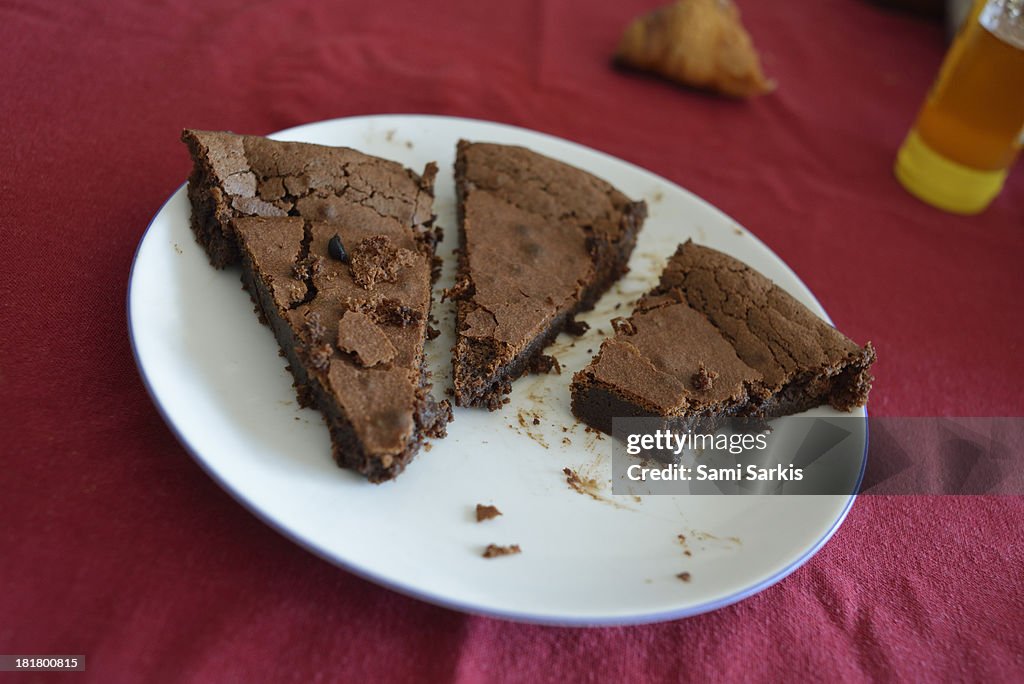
[{"x": 113, "y": 542}]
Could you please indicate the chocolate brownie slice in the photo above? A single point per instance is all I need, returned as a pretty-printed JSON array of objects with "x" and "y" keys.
[
  {"x": 717, "y": 339},
  {"x": 349, "y": 302},
  {"x": 243, "y": 175},
  {"x": 539, "y": 241}
]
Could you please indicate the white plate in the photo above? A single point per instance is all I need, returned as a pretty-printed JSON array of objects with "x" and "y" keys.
[{"x": 215, "y": 375}]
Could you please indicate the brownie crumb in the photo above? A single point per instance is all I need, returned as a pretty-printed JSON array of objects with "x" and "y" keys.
[
  {"x": 704, "y": 379},
  {"x": 314, "y": 327},
  {"x": 320, "y": 356},
  {"x": 494, "y": 551},
  {"x": 402, "y": 316},
  {"x": 387, "y": 311},
  {"x": 296, "y": 293},
  {"x": 309, "y": 267},
  {"x": 462, "y": 289},
  {"x": 375, "y": 259},
  {"x": 544, "y": 363},
  {"x": 522, "y": 419},
  {"x": 685, "y": 576},
  {"x": 623, "y": 326},
  {"x": 432, "y": 333},
  {"x": 580, "y": 485},
  {"x": 486, "y": 512},
  {"x": 577, "y": 328}
]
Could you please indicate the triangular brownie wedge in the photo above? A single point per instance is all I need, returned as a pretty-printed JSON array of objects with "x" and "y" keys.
[
  {"x": 349, "y": 303},
  {"x": 716, "y": 339},
  {"x": 244, "y": 175},
  {"x": 539, "y": 241}
]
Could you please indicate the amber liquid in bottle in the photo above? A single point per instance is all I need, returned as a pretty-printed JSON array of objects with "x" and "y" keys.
[
  {"x": 975, "y": 113},
  {"x": 971, "y": 127}
]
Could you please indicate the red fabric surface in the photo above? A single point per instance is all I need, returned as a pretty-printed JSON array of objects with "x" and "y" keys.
[{"x": 113, "y": 542}]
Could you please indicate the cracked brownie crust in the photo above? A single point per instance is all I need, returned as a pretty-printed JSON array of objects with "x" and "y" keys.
[
  {"x": 240, "y": 175},
  {"x": 539, "y": 242},
  {"x": 717, "y": 339},
  {"x": 355, "y": 348}
]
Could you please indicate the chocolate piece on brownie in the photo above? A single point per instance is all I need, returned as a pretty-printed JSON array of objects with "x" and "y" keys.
[
  {"x": 355, "y": 348},
  {"x": 539, "y": 241},
  {"x": 241, "y": 175},
  {"x": 717, "y": 339}
]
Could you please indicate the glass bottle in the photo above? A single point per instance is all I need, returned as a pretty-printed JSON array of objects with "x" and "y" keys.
[{"x": 971, "y": 127}]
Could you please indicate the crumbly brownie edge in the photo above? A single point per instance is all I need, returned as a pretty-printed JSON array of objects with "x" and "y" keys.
[
  {"x": 596, "y": 403},
  {"x": 210, "y": 212},
  {"x": 844, "y": 386},
  {"x": 431, "y": 417}
]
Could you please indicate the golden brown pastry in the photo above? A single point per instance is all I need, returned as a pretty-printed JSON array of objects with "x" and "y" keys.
[{"x": 699, "y": 43}]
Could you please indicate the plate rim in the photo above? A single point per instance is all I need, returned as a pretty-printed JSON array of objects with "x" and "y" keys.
[{"x": 436, "y": 598}]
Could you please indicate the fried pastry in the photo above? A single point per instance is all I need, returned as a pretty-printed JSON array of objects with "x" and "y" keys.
[{"x": 698, "y": 43}]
